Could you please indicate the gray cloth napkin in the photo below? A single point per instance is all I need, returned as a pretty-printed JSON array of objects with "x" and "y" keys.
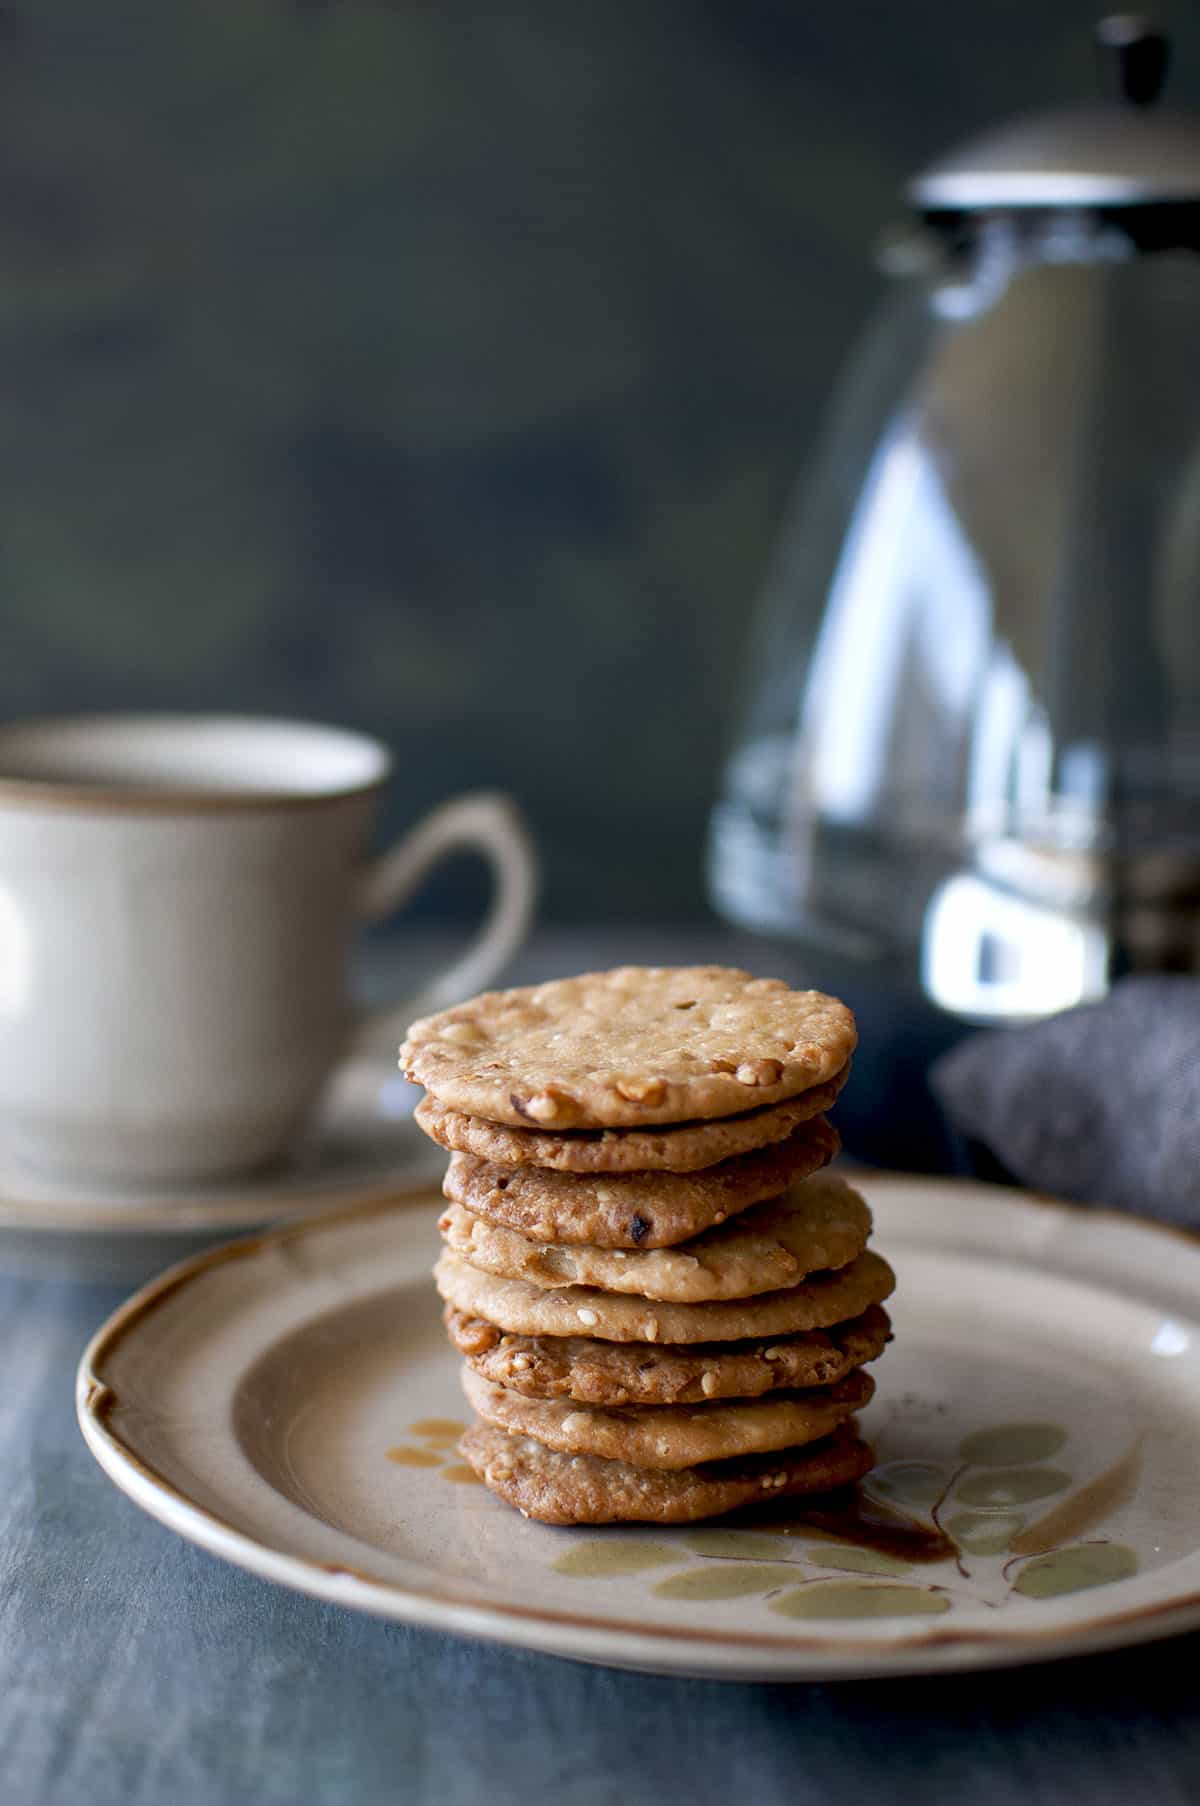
[{"x": 1101, "y": 1103}]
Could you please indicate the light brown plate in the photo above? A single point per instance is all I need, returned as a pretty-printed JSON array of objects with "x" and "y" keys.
[{"x": 250, "y": 1398}]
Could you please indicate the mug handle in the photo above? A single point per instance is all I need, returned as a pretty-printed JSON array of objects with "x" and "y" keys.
[{"x": 482, "y": 821}]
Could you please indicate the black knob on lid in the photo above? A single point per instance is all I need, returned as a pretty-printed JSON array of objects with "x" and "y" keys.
[
  {"x": 1134, "y": 56},
  {"x": 1125, "y": 152}
]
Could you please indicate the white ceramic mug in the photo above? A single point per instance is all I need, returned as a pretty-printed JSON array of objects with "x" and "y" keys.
[{"x": 177, "y": 894}]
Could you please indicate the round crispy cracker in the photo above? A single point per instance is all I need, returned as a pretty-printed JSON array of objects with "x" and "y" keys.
[
  {"x": 583, "y": 1489},
  {"x": 634, "y": 1210},
  {"x": 527, "y": 1310},
  {"x": 817, "y": 1225},
  {"x": 638, "y": 1373},
  {"x": 672, "y": 1436},
  {"x": 636, "y": 1045},
  {"x": 677, "y": 1148}
]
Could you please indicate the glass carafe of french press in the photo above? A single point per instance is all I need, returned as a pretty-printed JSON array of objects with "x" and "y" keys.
[{"x": 970, "y": 747}]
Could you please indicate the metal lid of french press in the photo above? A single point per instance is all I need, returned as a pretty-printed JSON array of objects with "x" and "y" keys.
[{"x": 1126, "y": 151}]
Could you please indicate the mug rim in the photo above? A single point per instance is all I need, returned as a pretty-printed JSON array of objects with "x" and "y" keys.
[{"x": 179, "y": 798}]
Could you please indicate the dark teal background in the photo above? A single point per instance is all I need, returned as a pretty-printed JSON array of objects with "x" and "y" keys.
[{"x": 445, "y": 368}]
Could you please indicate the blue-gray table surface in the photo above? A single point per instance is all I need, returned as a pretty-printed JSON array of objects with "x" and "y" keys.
[{"x": 137, "y": 1670}]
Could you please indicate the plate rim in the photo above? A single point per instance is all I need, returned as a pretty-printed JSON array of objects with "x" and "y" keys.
[
  {"x": 245, "y": 1212},
  {"x": 715, "y": 1652}
]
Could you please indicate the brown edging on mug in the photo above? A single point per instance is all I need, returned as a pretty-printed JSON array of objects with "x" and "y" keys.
[{"x": 21, "y": 793}]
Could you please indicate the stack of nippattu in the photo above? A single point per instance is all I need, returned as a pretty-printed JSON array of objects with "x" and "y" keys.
[{"x": 664, "y": 1302}]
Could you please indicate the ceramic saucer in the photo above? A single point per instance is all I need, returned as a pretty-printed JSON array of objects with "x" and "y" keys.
[
  {"x": 292, "y": 1406},
  {"x": 362, "y": 1147}
]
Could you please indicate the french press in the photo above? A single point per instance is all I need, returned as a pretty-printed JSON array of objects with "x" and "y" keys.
[{"x": 970, "y": 747}]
